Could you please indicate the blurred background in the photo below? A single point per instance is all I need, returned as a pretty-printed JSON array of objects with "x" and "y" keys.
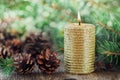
[{"x": 22, "y": 17}]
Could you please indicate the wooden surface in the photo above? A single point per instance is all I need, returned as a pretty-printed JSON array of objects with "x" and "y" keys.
[
  {"x": 65, "y": 76},
  {"x": 62, "y": 75}
]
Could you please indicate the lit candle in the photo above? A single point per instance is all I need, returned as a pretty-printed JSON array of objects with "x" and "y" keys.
[{"x": 79, "y": 47}]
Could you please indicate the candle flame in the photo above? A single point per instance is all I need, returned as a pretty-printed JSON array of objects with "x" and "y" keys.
[{"x": 79, "y": 18}]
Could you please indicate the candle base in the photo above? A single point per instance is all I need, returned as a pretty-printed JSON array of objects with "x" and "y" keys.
[{"x": 77, "y": 72}]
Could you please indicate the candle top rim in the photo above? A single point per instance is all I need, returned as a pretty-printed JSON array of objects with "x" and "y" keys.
[{"x": 81, "y": 26}]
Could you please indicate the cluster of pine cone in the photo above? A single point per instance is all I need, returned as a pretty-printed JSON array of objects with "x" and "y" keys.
[{"x": 25, "y": 54}]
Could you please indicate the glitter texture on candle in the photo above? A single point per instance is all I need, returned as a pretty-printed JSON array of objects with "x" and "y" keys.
[{"x": 79, "y": 48}]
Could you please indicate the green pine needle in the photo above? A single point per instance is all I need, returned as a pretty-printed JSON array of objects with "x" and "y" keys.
[
  {"x": 6, "y": 66},
  {"x": 108, "y": 46}
]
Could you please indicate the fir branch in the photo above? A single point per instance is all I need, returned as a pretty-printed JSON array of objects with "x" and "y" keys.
[
  {"x": 108, "y": 28},
  {"x": 6, "y": 66},
  {"x": 105, "y": 46},
  {"x": 110, "y": 50},
  {"x": 112, "y": 53}
]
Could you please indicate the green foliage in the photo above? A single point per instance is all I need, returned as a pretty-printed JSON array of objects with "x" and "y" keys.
[
  {"x": 6, "y": 65},
  {"x": 51, "y": 16},
  {"x": 108, "y": 46}
]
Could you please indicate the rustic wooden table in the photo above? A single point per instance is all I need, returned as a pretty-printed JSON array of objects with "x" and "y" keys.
[
  {"x": 62, "y": 75},
  {"x": 65, "y": 76}
]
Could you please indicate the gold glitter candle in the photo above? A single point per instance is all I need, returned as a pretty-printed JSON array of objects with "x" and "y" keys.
[{"x": 79, "y": 48}]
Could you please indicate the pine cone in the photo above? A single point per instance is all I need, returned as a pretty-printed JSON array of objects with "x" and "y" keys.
[
  {"x": 34, "y": 44},
  {"x": 10, "y": 41},
  {"x": 5, "y": 36},
  {"x": 16, "y": 46},
  {"x": 47, "y": 61},
  {"x": 23, "y": 63},
  {"x": 5, "y": 52}
]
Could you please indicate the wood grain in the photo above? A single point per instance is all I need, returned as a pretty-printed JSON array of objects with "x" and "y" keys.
[{"x": 66, "y": 76}]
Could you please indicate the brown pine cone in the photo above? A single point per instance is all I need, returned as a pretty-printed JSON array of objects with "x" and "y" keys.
[
  {"x": 47, "y": 61},
  {"x": 5, "y": 52},
  {"x": 23, "y": 63},
  {"x": 17, "y": 46},
  {"x": 10, "y": 41},
  {"x": 5, "y": 36},
  {"x": 34, "y": 44}
]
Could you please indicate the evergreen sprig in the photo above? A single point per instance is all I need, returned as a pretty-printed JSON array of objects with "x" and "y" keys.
[
  {"x": 6, "y": 66},
  {"x": 108, "y": 46}
]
